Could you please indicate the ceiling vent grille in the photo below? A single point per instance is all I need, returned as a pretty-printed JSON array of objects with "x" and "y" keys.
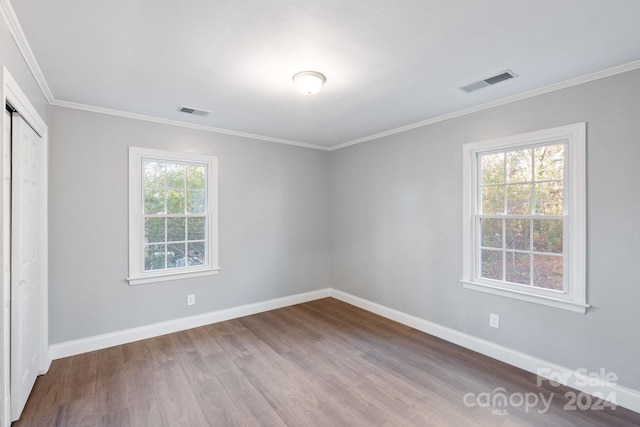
[
  {"x": 194, "y": 111},
  {"x": 506, "y": 75}
]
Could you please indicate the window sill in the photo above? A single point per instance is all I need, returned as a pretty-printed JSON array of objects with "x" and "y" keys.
[
  {"x": 164, "y": 277},
  {"x": 524, "y": 296}
]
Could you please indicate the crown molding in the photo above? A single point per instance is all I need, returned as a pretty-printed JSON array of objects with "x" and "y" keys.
[
  {"x": 19, "y": 37},
  {"x": 154, "y": 119},
  {"x": 630, "y": 66}
]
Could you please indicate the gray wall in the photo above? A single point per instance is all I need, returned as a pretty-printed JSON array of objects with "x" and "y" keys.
[
  {"x": 396, "y": 206},
  {"x": 273, "y": 221}
]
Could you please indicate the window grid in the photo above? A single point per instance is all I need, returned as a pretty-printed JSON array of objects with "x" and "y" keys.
[
  {"x": 505, "y": 215},
  {"x": 193, "y": 250}
]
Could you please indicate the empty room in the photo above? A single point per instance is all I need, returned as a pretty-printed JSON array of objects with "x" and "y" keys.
[{"x": 320, "y": 213}]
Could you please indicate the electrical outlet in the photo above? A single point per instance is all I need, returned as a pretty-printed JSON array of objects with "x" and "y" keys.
[
  {"x": 494, "y": 320},
  {"x": 191, "y": 299}
]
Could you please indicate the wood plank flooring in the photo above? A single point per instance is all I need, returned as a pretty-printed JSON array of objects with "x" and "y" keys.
[{"x": 323, "y": 363}]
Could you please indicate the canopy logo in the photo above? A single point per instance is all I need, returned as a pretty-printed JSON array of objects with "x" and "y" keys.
[{"x": 501, "y": 401}]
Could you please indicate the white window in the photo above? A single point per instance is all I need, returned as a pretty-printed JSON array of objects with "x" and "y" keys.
[
  {"x": 524, "y": 217},
  {"x": 173, "y": 218}
]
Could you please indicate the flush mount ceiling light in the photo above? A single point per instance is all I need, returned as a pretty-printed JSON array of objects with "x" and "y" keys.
[{"x": 309, "y": 82}]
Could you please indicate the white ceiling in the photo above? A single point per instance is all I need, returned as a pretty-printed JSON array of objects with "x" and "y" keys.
[{"x": 388, "y": 64}]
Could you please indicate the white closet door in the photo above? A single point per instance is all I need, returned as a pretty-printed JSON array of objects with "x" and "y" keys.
[{"x": 27, "y": 261}]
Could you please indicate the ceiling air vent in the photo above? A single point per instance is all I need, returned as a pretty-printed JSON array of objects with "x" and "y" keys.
[
  {"x": 194, "y": 111},
  {"x": 489, "y": 81}
]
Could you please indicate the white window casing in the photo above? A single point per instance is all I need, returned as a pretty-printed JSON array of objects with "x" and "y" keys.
[
  {"x": 573, "y": 294},
  {"x": 207, "y": 240}
]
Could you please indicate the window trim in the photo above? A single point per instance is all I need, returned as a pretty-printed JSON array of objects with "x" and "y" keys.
[
  {"x": 575, "y": 295},
  {"x": 137, "y": 275}
]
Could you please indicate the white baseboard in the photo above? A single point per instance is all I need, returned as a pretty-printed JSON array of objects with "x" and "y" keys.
[
  {"x": 625, "y": 397},
  {"x": 98, "y": 342},
  {"x": 622, "y": 396}
]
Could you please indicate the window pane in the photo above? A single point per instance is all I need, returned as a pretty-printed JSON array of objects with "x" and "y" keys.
[
  {"x": 519, "y": 166},
  {"x": 491, "y": 233},
  {"x": 175, "y": 255},
  {"x": 196, "y": 177},
  {"x": 547, "y": 235},
  {"x": 154, "y": 257},
  {"x": 196, "y": 253},
  {"x": 170, "y": 205},
  {"x": 550, "y": 198},
  {"x": 195, "y": 202},
  {"x": 176, "y": 229},
  {"x": 175, "y": 176},
  {"x": 547, "y": 272},
  {"x": 518, "y": 232},
  {"x": 549, "y": 162},
  {"x": 196, "y": 228},
  {"x": 153, "y": 174},
  {"x": 492, "y": 168},
  {"x": 519, "y": 199},
  {"x": 518, "y": 268},
  {"x": 154, "y": 230},
  {"x": 493, "y": 199},
  {"x": 491, "y": 264},
  {"x": 153, "y": 201},
  {"x": 175, "y": 202}
]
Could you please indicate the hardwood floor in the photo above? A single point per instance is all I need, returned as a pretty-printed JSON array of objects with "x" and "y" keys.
[{"x": 323, "y": 363}]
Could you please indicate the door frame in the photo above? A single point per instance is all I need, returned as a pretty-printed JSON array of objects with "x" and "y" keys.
[{"x": 13, "y": 95}]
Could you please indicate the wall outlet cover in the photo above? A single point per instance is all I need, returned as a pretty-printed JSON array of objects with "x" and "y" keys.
[{"x": 494, "y": 320}]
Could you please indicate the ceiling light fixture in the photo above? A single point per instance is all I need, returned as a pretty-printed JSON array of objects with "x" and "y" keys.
[{"x": 309, "y": 82}]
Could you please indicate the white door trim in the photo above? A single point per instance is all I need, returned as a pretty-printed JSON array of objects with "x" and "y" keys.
[{"x": 12, "y": 94}]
